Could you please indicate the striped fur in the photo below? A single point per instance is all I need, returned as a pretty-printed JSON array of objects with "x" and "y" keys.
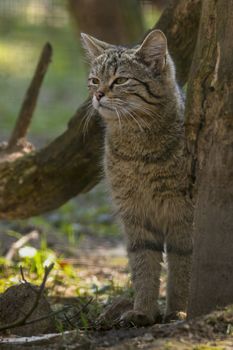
[{"x": 145, "y": 165}]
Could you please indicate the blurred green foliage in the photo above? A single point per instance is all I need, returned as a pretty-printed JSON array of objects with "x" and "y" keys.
[
  {"x": 25, "y": 26},
  {"x": 21, "y": 40}
]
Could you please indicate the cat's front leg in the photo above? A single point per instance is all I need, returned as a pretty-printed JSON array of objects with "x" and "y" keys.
[{"x": 145, "y": 255}]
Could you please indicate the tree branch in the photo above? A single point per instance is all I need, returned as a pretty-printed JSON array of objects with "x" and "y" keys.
[
  {"x": 43, "y": 180},
  {"x": 29, "y": 103}
]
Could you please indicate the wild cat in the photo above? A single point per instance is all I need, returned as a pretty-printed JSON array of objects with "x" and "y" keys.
[{"x": 136, "y": 94}]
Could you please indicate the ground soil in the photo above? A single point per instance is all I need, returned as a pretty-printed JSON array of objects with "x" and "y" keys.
[{"x": 106, "y": 259}]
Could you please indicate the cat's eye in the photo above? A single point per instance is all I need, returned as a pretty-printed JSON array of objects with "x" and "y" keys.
[
  {"x": 94, "y": 81},
  {"x": 120, "y": 80}
]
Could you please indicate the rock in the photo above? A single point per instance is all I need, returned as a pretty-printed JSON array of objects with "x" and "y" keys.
[{"x": 16, "y": 301}]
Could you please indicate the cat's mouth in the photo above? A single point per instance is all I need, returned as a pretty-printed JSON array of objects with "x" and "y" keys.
[
  {"x": 105, "y": 107},
  {"x": 101, "y": 105},
  {"x": 105, "y": 111}
]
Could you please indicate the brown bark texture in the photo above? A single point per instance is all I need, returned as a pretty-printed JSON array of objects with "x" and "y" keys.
[
  {"x": 45, "y": 179},
  {"x": 209, "y": 112},
  {"x": 179, "y": 22},
  {"x": 117, "y": 22}
]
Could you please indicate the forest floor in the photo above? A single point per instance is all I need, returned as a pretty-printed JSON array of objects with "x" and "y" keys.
[{"x": 87, "y": 277}]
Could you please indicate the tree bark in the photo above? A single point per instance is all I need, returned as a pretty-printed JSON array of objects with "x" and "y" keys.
[
  {"x": 118, "y": 22},
  {"x": 160, "y": 4},
  {"x": 209, "y": 112},
  {"x": 45, "y": 179},
  {"x": 180, "y": 22}
]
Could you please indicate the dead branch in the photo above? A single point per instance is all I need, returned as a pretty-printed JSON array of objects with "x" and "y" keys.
[
  {"x": 22, "y": 321},
  {"x": 33, "y": 235},
  {"x": 29, "y": 103}
]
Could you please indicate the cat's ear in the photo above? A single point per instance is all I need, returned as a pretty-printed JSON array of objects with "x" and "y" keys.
[
  {"x": 93, "y": 46},
  {"x": 153, "y": 50}
]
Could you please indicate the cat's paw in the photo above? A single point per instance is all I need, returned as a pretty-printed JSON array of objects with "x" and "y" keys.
[
  {"x": 174, "y": 316},
  {"x": 133, "y": 318}
]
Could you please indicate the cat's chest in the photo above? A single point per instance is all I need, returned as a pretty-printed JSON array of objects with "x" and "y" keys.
[
  {"x": 125, "y": 172},
  {"x": 144, "y": 177}
]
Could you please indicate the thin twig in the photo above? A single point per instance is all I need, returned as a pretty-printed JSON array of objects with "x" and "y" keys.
[
  {"x": 22, "y": 274},
  {"x": 29, "y": 103},
  {"x": 51, "y": 314},
  {"x": 26, "y": 282},
  {"x": 69, "y": 322},
  {"x": 82, "y": 309},
  {"x": 22, "y": 321}
]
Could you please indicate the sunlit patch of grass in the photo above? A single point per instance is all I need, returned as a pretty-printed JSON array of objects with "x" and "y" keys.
[
  {"x": 208, "y": 347},
  {"x": 65, "y": 280},
  {"x": 33, "y": 262}
]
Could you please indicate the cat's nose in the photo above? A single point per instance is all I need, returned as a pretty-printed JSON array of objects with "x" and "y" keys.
[{"x": 99, "y": 95}]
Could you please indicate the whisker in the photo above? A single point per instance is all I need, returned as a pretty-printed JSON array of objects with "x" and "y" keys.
[
  {"x": 132, "y": 116},
  {"x": 119, "y": 118},
  {"x": 124, "y": 104},
  {"x": 86, "y": 119},
  {"x": 134, "y": 112},
  {"x": 141, "y": 119},
  {"x": 125, "y": 116},
  {"x": 150, "y": 112}
]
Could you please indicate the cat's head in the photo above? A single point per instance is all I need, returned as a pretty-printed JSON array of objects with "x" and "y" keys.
[{"x": 128, "y": 82}]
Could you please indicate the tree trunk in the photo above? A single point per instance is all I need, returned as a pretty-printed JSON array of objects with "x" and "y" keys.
[
  {"x": 180, "y": 22},
  {"x": 118, "y": 22},
  {"x": 210, "y": 143},
  {"x": 43, "y": 180}
]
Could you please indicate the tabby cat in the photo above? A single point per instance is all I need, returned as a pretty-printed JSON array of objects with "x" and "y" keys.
[{"x": 136, "y": 94}]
